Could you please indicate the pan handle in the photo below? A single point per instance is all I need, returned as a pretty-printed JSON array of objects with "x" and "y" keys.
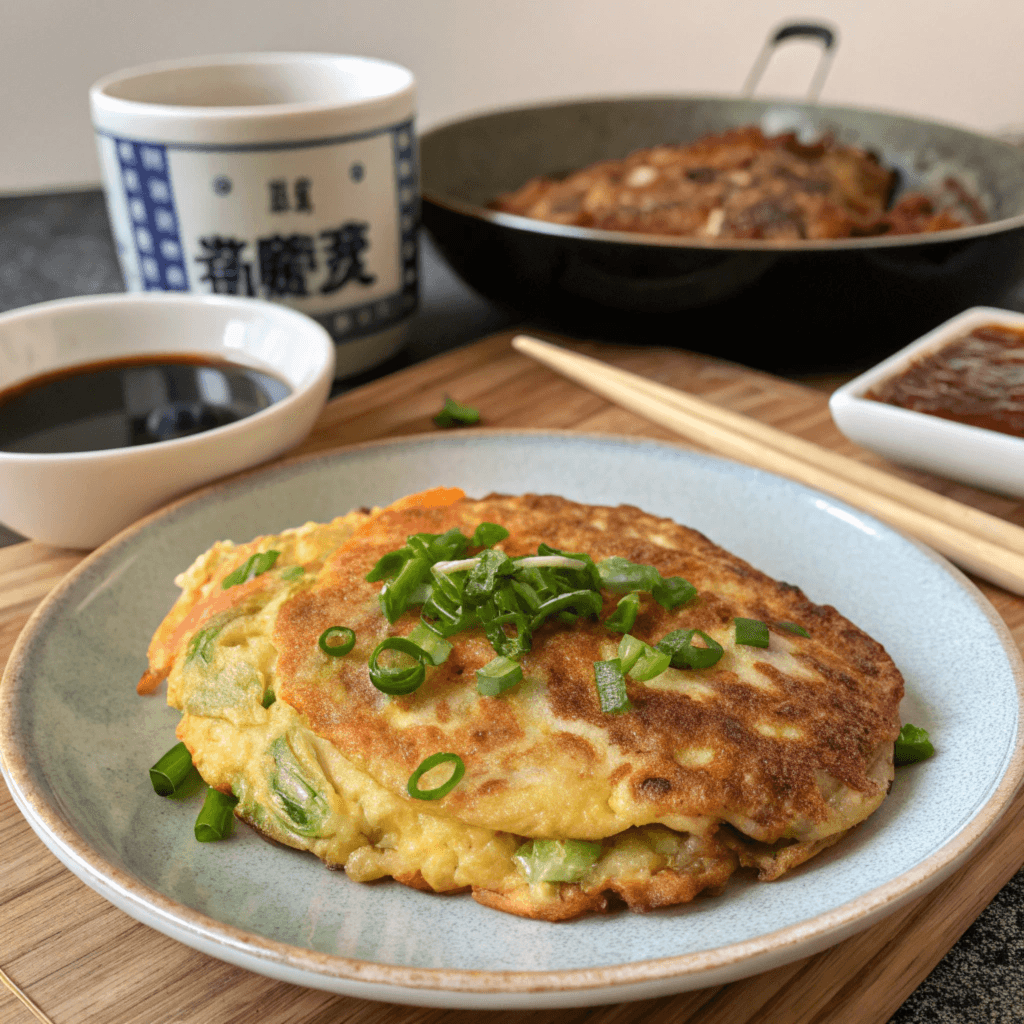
[{"x": 827, "y": 35}]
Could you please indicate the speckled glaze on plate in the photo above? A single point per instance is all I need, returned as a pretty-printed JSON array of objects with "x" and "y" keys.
[{"x": 76, "y": 741}]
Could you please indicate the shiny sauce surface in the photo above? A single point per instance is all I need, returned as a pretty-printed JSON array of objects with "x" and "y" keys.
[
  {"x": 977, "y": 379},
  {"x": 118, "y": 403}
]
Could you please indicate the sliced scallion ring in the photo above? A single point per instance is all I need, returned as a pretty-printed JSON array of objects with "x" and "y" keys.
[
  {"x": 446, "y": 787},
  {"x": 752, "y": 633},
  {"x": 397, "y": 594},
  {"x": 431, "y": 643},
  {"x": 216, "y": 817},
  {"x": 640, "y": 661},
  {"x": 580, "y": 602},
  {"x": 455, "y": 414},
  {"x": 497, "y": 676},
  {"x": 679, "y": 645},
  {"x": 486, "y": 535},
  {"x": 630, "y": 649},
  {"x": 169, "y": 774},
  {"x": 484, "y": 578},
  {"x": 912, "y": 745},
  {"x": 509, "y": 646},
  {"x": 793, "y": 627},
  {"x": 337, "y": 641},
  {"x": 620, "y": 575},
  {"x": 673, "y": 592},
  {"x": 621, "y": 620},
  {"x": 397, "y": 682},
  {"x": 611, "y": 687}
]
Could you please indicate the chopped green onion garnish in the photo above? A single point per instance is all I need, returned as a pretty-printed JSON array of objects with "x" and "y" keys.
[
  {"x": 486, "y": 535},
  {"x": 254, "y": 566},
  {"x": 397, "y": 594},
  {"x": 268, "y": 698},
  {"x": 640, "y": 661},
  {"x": 913, "y": 744},
  {"x": 337, "y": 641},
  {"x": 650, "y": 664},
  {"x": 398, "y": 681},
  {"x": 527, "y": 595},
  {"x": 497, "y": 676},
  {"x": 630, "y": 649},
  {"x": 202, "y": 644},
  {"x": 454, "y": 414},
  {"x": 621, "y": 620},
  {"x": 387, "y": 566},
  {"x": 587, "y": 575},
  {"x": 509, "y": 646},
  {"x": 620, "y": 575},
  {"x": 446, "y": 787},
  {"x": 437, "y": 546},
  {"x": 292, "y": 572},
  {"x": 751, "y": 633},
  {"x": 215, "y": 819},
  {"x": 579, "y": 602},
  {"x": 673, "y": 592},
  {"x": 556, "y": 860},
  {"x": 611, "y": 687},
  {"x": 169, "y": 774},
  {"x": 431, "y": 643},
  {"x": 792, "y": 627},
  {"x": 684, "y": 653},
  {"x": 484, "y": 577}
]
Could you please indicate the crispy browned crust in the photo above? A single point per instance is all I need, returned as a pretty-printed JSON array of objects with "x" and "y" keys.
[
  {"x": 569, "y": 902},
  {"x": 773, "y": 861},
  {"x": 844, "y": 699},
  {"x": 668, "y": 887}
]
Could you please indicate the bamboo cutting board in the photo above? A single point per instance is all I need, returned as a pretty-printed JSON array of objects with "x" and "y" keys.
[{"x": 84, "y": 961}]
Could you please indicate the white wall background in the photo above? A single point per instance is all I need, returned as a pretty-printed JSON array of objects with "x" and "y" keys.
[{"x": 953, "y": 61}]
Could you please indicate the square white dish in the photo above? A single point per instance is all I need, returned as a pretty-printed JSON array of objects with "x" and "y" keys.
[{"x": 970, "y": 455}]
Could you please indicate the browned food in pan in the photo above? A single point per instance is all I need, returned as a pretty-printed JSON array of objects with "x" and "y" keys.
[{"x": 742, "y": 184}]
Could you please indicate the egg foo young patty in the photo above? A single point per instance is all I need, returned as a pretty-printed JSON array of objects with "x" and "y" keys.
[{"x": 590, "y": 769}]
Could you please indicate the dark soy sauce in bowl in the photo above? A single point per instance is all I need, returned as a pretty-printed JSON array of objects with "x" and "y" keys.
[{"x": 118, "y": 403}]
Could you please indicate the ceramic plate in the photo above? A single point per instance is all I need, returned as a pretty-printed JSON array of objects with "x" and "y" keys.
[
  {"x": 972, "y": 455},
  {"x": 77, "y": 741}
]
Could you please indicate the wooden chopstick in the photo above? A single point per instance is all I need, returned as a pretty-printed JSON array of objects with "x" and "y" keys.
[
  {"x": 983, "y": 544},
  {"x": 6, "y": 981}
]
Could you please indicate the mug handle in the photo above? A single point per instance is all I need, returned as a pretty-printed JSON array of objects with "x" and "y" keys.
[{"x": 827, "y": 35}]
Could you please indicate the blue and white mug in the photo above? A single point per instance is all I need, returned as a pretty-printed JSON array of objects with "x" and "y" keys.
[{"x": 282, "y": 176}]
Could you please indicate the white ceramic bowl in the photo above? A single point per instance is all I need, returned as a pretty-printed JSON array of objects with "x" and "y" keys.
[
  {"x": 81, "y": 499},
  {"x": 971, "y": 455}
]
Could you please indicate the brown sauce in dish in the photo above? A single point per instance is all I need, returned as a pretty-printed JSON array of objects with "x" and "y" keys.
[
  {"x": 977, "y": 379},
  {"x": 117, "y": 403}
]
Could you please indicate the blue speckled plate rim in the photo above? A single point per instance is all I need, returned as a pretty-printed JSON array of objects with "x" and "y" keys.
[{"x": 471, "y": 988}]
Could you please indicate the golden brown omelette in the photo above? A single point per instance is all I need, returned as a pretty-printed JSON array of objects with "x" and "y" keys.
[{"x": 620, "y": 708}]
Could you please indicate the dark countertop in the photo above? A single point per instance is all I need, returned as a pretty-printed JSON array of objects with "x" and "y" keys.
[{"x": 57, "y": 245}]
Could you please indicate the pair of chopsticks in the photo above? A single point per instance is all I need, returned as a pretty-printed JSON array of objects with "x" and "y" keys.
[{"x": 982, "y": 544}]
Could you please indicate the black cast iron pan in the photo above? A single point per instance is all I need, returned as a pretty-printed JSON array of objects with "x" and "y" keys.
[{"x": 784, "y": 306}]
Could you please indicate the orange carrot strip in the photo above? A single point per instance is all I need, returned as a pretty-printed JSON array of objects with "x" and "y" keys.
[{"x": 436, "y": 497}]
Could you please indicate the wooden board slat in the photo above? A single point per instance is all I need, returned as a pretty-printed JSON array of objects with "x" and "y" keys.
[{"x": 82, "y": 960}]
